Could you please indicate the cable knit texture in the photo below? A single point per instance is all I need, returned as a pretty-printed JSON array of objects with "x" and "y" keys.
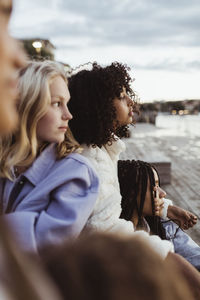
[{"x": 107, "y": 209}]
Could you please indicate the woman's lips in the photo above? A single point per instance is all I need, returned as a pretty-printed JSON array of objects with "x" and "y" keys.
[{"x": 63, "y": 128}]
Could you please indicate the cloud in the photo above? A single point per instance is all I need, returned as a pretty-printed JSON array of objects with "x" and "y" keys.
[
  {"x": 152, "y": 36},
  {"x": 136, "y": 23}
]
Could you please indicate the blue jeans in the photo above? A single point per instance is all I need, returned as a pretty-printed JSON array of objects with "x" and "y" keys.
[{"x": 183, "y": 244}]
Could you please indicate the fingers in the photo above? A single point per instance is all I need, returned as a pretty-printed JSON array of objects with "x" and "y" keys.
[
  {"x": 185, "y": 226},
  {"x": 157, "y": 211},
  {"x": 193, "y": 218},
  {"x": 156, "y": 193},
  {"x": 159, "y": 205},
  {"x": 190, "y": 223},
  {"x": 158, "y": 202},
  {"x": 184, "y": 218}
]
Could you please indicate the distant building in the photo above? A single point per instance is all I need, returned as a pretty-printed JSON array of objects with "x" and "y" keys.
[{"x": 38, "y": 48}]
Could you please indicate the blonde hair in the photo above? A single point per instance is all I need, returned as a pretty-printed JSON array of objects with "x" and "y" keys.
[{"x": 22, "y": 147}]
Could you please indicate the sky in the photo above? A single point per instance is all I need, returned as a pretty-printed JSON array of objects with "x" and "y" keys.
[{"x": 158, "y": 39}]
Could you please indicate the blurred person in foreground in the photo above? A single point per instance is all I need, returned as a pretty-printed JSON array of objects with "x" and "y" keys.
[
  {"x": 19, "y": 276},
  {"x": 11, "y": 59},
  {"x": 112, "y": 267}
]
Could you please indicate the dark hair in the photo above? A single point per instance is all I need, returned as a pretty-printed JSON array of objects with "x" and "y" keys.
[
  {"x": 133, "y": 179},
  {"x": 91, "y": 104},
  {"x": 109, "y": 267}
]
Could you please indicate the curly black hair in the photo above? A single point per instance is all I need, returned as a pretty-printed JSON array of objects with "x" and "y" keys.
[
  {"x": 91, "y": 104},
  {"x": 133, "y": 179}
]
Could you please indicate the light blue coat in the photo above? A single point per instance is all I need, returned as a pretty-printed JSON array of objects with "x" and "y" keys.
[
  {"x": 51, "y": 201},
  {"x": 183, "y": 244}
]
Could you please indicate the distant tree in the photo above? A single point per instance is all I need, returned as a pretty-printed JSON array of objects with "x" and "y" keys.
[
  {"x": 168, "y": 106},
  {"x": 148, "y": 107},
  {"x": 164, "y": 107},
  {"x": 177, "y": 105}
]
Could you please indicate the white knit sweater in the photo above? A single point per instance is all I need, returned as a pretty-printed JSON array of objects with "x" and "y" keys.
[{"x": 105, "y": 216}]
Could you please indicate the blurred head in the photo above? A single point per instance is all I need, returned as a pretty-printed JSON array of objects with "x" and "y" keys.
[
  {"x": 11, "y": 59},
  {"x": 102, "y": 103},
  {"x": 105, "y": 266},
  {"x": 138, "y": 181},
  {"x": 43, "y": 111}
]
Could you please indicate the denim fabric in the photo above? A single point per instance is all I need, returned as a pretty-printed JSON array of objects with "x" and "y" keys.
[
  {"x": 51, "y": 201},
  {"x": 183, "y": 244}
]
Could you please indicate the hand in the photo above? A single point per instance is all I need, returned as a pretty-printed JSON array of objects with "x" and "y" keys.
[
  {"x": 182, "y": 217},
  {"x": 158, "y": 203}
]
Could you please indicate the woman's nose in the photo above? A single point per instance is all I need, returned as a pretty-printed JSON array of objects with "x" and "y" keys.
[
  {"x": 161, "y": 192},
  {"x": 67, "y": 115},
  {"x": 129, "y": 101}
]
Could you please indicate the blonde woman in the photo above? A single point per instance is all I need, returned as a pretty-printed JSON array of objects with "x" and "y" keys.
[{"x": 47, "y": 190}]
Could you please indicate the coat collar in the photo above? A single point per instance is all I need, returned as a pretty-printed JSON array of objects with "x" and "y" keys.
[
  {"x": 40, "y": 167},
  {"x": 99, "y": 154},
  {"x": 116, "y": 148}
]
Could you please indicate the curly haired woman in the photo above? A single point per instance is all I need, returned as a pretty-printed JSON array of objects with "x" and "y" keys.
[{"x": 102, "y": 104}]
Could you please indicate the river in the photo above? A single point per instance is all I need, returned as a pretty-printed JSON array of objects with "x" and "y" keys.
[{"x": 179, "y": 125}]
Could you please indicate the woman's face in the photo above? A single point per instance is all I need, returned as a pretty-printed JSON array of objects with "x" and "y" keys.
[
  {"x": 124, "y": 109},
  {"x": 11, "y": 59},
  {"x": 53, "y": 125},
  {"x": 158, "y": 194}
]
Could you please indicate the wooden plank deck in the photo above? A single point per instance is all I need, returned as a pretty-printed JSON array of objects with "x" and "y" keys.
[{"x": 183, "y": 153}]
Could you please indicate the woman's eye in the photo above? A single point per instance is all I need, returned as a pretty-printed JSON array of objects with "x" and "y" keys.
[
  {"x": 122, "y": 97},
  {"x": 56, "y": 104}
]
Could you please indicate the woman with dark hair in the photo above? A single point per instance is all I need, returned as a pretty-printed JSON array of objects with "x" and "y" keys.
[
  {"x": 94, "y": 97},
  {"x": 139, "y": 182}
]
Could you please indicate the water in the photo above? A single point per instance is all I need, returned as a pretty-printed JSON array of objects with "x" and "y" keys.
[
  {"x": 176, "y": 135},
  {"x": 179, "y": 125}
]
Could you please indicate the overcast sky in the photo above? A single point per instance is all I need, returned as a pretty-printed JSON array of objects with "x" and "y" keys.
[{"x": 158, "y": 39}]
